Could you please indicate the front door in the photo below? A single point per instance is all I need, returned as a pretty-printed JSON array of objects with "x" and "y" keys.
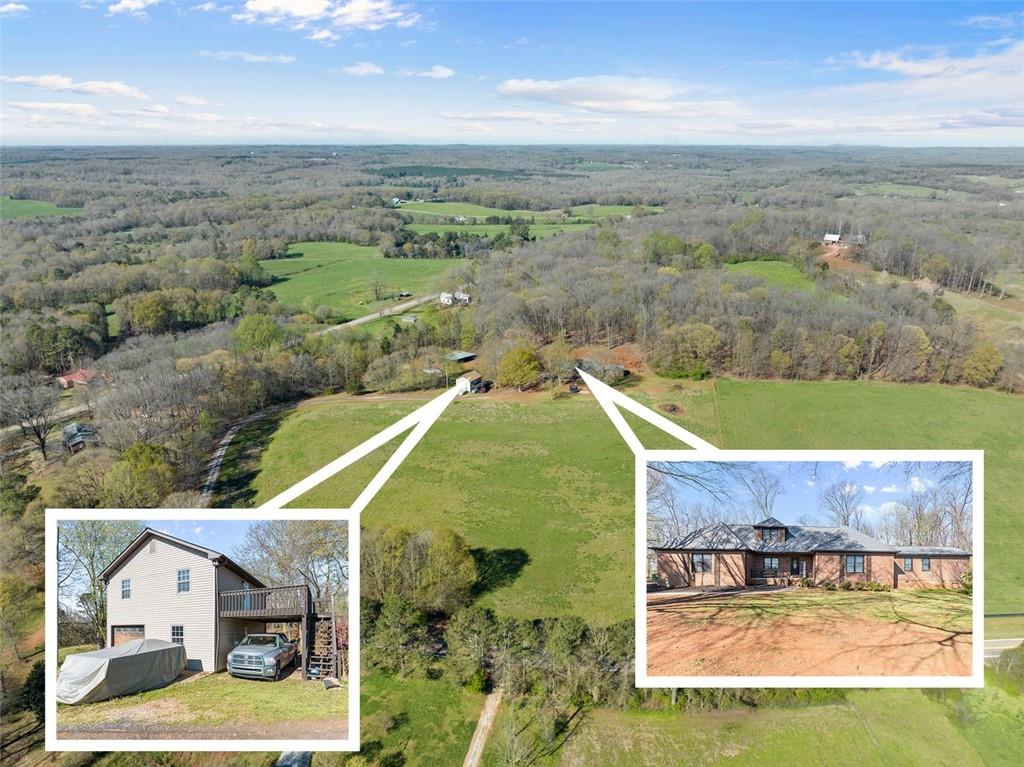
[{"x": 794, "y": 566}]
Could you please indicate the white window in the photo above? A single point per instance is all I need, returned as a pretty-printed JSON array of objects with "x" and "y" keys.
[
  {"x": 178, "y": 634},
  {"x": 184, "y": 581},
  {"x": 126, "y": 588},
  {"x": 702, "y": 563}
]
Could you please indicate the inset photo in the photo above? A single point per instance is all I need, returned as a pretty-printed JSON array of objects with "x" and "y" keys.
[
  {"x": 171, "y": 630},
  {"x": 803, "y": 568}
]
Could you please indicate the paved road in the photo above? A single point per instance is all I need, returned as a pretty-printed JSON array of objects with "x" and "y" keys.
[
  {"x": 995, "y": 647},
  {"x": 483, "y": 729},
  {"x": 396, "y": 309}
]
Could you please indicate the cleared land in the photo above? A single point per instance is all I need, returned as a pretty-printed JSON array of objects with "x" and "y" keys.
[
  {"x": 215, "y": 706},
  {"x": 30, "y": 208},
  {"x": 779, "y": 273},
  {"x": 549, "y": 482},
  {"x": 873, "y": 727},
  {"x": 341, "y": 276},
  {"x": 540, "y": 231},
  {"x": 809, "y": 632}
]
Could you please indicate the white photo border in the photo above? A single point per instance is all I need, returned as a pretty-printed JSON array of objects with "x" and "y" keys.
[
  {"x": 975, "y": 680},
  {"x": 350, "y": 743}
]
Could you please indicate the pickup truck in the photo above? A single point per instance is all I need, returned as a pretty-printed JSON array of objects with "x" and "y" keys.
[{"x": 261, "y": 656}]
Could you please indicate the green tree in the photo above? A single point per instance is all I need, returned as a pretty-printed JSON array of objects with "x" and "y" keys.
[
  {"x": 398, "y": 643},
  {"x": 687, "y": 351},
  {"x": 519, "y": 367},
  {"x": 16, "y": 606},
  {"x": 470, "y": 638},
  {"x": 983, "y": 364},
  {"x": 33, "y": 694},
  {"x": 705, "y": 256},
  {"x": 16, "y": 492},
  {"x": 659, "y": 247},
  {"x": 257, "y": 334},
  {"x": 140, "y": 478},
  {"x": 448, "y": 575}
]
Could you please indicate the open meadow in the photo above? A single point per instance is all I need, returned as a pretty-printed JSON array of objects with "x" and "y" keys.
[
  {"x": 10, "y": 208},
  {"x": 341, "y": 276},
  {"x": 551, "y": 481}
]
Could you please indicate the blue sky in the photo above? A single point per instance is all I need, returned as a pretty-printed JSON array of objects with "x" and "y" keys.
[
  {"x": 217, "y": 534},
  {"x": 883, "y": 485},
  {"x": 382, "y": 71}
]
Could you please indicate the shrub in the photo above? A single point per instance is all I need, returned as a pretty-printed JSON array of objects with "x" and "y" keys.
[
  {"x": 967, "y": 582},
  {"x": 846, "y": 586},
  {"x": 876, "y": 586},
  {"x": 32, "y": 694},
  {"x": 830, "y": 586},
  {"x": 806, "y": 583}
]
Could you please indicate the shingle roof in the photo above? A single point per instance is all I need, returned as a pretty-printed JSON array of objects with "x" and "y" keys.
[
  {"x": 800, "y": 539},
  {"x": 932, "y": 551},
  {"x": 770, "y": 522}
]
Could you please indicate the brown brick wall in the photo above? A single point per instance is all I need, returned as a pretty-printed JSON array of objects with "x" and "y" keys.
[
  {"x": 945, "y": 573},
  {"x": 676, "y": 569}
]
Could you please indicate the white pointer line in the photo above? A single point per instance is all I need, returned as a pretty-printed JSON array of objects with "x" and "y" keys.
[{"x": 422, "y": 418}]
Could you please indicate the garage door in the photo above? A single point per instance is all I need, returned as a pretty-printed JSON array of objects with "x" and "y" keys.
[{"x": 122, "y": 634}]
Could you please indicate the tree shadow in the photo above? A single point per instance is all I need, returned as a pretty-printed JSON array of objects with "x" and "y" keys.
[
  {"x": 242, "y": 463},
  {"x": 496, "y": 568}
]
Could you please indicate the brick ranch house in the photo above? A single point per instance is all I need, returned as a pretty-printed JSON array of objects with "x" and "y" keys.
[{"x": 771, "y": 553}]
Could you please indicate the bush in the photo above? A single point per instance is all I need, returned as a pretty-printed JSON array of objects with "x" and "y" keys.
[
  {"x": 876, "y": 586},
  {"x": 806, "y": 583},
  {"x": 830, "y": 586},
  {"x": 967, "y": 582},
  {"x": 33, "y": 696},
  {"x": 846, "y": 586}
]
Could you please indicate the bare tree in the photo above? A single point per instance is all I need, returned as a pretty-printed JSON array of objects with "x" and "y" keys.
[
  {"x": 314, "y": 552},
  {"x": 842, "y": 502},
  {"x": 763, "y": 487},
  {"x": 32, "y": 406}
]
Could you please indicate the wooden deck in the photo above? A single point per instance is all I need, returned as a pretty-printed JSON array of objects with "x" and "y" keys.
[{"x": 281, "y": 603}]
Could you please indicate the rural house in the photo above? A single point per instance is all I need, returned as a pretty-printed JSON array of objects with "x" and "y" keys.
[
  {"x": 166, "y": 588},
  {"x": 772, "y": 553},
  {"x": 80, "y": 377}
]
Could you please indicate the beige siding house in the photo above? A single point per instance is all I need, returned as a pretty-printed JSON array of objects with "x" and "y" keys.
[{"x": 165, "y": 588}]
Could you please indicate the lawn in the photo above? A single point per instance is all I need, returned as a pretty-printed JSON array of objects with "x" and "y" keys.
[
  {"x": 551, "y": 479},
  {"x": 30, "y": 208},
  {"x": 1009, "y": 627},
  {"x": 412, "y": 722},
  {"x": 779, "y": 273},
  {"x": 341, "y": 276},
  {"x": 809, "y": 631},
  {"x": 873, "y": 727},
  {"x": 540, "y": 231},
  {"x": 210, "y": 701}
]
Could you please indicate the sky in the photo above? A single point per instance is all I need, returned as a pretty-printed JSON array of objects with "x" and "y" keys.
[
  {"x": 385, "y": 71},
  {"x": 225, "y": 536},
  {"x": 883, "y": 485}
]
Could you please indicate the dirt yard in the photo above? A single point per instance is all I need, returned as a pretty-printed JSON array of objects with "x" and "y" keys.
[
  {"x": 214, "y": 706},
  {"x": 809, "y": 632}
]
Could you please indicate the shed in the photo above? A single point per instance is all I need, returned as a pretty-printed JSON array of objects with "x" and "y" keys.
[{"x": 460, "y": 356}]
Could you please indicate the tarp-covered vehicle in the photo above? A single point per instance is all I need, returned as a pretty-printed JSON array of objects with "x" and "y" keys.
[{"x": 141, "y": 664}]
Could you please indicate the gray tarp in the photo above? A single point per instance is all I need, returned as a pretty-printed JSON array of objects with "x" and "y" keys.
[{"x": 141, "y": 664}]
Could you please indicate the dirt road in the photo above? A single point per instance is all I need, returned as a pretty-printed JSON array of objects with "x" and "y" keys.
[
  {"x": 396, "y": 309},
  {"x": 483, "y": 729}
]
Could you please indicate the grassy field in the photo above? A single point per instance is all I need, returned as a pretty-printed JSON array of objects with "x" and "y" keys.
[
  {"x": 551, "y": 480},
  {"x": 341, "y": 276},
  {"x": 779, "y": 273},
  {"x": 214, "y": 700},
  {"x": 592, "y": 211},
  {"x": 1002, "y": 321},
  {"x": 876, "y": 727},
  {"x": 909, "y": 190},
  {"x": 30, "y": 208},
  {"x": 540, "y": 231},
  {"x": 412, "y": 722}
]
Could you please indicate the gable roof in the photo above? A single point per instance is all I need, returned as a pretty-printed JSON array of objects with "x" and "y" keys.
[
  {"x": 214, "y": 556},
  {"x": 770, "y": 522},
  {"x": 800, "y": 539},
  {"x": 932, "y": 551}
]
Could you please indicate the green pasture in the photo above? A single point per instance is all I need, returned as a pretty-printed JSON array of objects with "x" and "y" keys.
[
  {"x": 10, "y": 208},
  {"x": 540, "y": 231},
  {"x": 781, "y": 273}
]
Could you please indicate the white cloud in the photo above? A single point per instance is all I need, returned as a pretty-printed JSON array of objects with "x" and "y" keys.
[
  {"x": 360, "y": 69},
  {"x": 539, "y": 118},
  {"x": 920, "y": 484},
  {"x": 134, "y": 7},
  {"x": 436, "y": 72},
  {"x": 849, "y": 488},
  {"x": 191, "y": 101},
  {"x": 368, "y": 15},
  {"x": 197, "y": 530},
  {"x": 518, "y": 43},
  {"x": 11, "y": 9},
  {"x": 811, "y": 482},
  {"x": 248, "y": 58},
  {"x": 323, "y": 35},
  {"x": 870, "y": 489},
  {"x": 69, "y": 85},
  {"x": 208, "y": 7},
  {"x": 1005, "y": 21},
  {"x": 879, "y": 464},
  {"x": 616, "y": 94},
  {"x": 891, "y": 489},
  {"x": 850, "y": 465},
  {"x": 56, "y": 107}
]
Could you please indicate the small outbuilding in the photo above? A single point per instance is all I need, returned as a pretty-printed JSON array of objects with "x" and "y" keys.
[{"x": 460, "y": 356}]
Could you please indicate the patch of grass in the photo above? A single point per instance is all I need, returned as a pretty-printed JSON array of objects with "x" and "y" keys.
[
  {"x": 1004, "y": 628},
  {"x": 877, "y": 727},
  {"x": 1002, "y": 321},
  {"x": 443, "y": 171},
  {"x": 910, "y": 190},
  {"x": 218, "y": 699},
  {"x": 341, "y": 276},
  {"x": 540, "y": 231},
  {"x": 64, "y": 652},
  {"x": 990, "y": 719},
  {"x": 779, "y": 273},
  {"x": 10, "y": 209},
  {"x": 412, "y": 722}
]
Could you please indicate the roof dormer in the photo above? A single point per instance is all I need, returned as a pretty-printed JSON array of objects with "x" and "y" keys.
[{"x": 770, "y": 530}]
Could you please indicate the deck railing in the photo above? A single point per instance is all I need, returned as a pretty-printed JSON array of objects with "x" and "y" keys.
[{"x": 265, "y": 603}]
